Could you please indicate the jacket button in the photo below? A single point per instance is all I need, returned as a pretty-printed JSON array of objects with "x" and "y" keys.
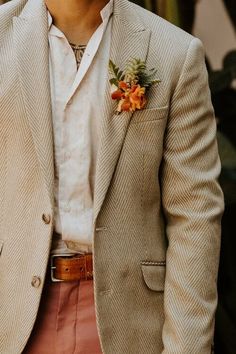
[
  {"x": 36, "y": 281},
  {"x": 46, "y": 218}
]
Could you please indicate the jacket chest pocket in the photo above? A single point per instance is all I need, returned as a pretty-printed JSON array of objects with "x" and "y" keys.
[
  {"x": 145, "y": 135},
  {"x": 150, "y": 115}
]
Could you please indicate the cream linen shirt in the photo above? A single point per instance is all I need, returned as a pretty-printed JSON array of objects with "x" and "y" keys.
[{"x": 76, "y": 111}]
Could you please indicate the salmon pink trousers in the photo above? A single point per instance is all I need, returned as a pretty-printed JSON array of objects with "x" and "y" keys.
[{"x": 66, "y": 322}]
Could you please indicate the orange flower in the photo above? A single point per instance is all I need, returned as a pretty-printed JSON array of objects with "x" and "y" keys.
[
  {"x": 123, "y": 85},
  {"x": 129, "y": 99},
  {"x": 124, "y": 105},
  {"x": 137, "y": 97},
  {"x": 117, "y": 95}
]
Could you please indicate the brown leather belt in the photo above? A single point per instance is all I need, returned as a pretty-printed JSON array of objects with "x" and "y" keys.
[{"x": 71, "y": 267}]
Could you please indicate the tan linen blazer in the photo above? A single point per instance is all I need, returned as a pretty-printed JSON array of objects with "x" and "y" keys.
[{"x": 157, "y": 206}]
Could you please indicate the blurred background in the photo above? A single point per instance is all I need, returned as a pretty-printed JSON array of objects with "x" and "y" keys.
[{"x": 214, "y": 22}]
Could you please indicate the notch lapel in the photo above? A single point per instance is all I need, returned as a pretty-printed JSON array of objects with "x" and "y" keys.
[
  {"x": 130, "y": 39},
  {"x": 31, "y": 44}
]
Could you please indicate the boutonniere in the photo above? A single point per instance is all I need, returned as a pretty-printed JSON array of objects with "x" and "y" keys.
[{"x": 130, "y": 87}]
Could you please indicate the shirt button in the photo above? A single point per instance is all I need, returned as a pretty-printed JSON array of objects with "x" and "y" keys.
[
  {"x": 36, "y": 281},
  {"x": 46, "y": 218}
]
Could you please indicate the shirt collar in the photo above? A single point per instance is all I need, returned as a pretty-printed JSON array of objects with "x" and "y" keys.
[{"x": 105, "y": 13}]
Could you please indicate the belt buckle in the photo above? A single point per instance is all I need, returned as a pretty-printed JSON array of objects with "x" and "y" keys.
[{"x": 52, "y": 267}]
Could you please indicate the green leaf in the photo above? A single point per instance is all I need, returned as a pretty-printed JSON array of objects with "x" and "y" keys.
[
  {"x": 114, "y": 81},
  {"x": 115, "y": 71},
  {"x": 119, "y": 75}
]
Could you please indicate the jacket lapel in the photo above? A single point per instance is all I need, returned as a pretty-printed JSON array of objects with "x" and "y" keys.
[
  {"x": 31, "y": 44},
  {"x": 130, "y": 39}
]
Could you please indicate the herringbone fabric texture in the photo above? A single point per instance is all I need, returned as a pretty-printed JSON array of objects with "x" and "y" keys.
[{"x": 157, "y": 206}]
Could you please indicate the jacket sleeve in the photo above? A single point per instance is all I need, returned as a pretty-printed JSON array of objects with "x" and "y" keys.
[{"x": 193, "y": 204}]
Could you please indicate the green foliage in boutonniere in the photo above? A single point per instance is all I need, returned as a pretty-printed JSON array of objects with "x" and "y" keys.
[{"x": 132, "y": 84}]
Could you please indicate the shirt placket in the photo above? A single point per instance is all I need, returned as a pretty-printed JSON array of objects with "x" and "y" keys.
[
  {"x": 74, "y": 143},
  {"x": 66, "y": 80}
]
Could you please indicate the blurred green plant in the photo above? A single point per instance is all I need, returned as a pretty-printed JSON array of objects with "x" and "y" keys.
[
  {"x": 222, "y": 79},
  {"x": 181, "y": 12},
  {"x": 231, "y": 7},
  {"x": 222, "y": 84}
]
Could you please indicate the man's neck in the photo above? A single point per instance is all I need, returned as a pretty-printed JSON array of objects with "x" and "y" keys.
[{"x": 77, "y": 19}]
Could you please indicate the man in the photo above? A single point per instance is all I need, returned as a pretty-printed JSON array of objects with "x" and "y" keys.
[{"x": 136, "y": 193}]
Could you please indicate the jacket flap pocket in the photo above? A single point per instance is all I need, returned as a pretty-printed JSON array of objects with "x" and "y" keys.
[{"x": 154, "y": 275}]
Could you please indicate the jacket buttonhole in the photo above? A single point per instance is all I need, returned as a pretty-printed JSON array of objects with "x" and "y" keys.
[{"x": 98, "y": 229}]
